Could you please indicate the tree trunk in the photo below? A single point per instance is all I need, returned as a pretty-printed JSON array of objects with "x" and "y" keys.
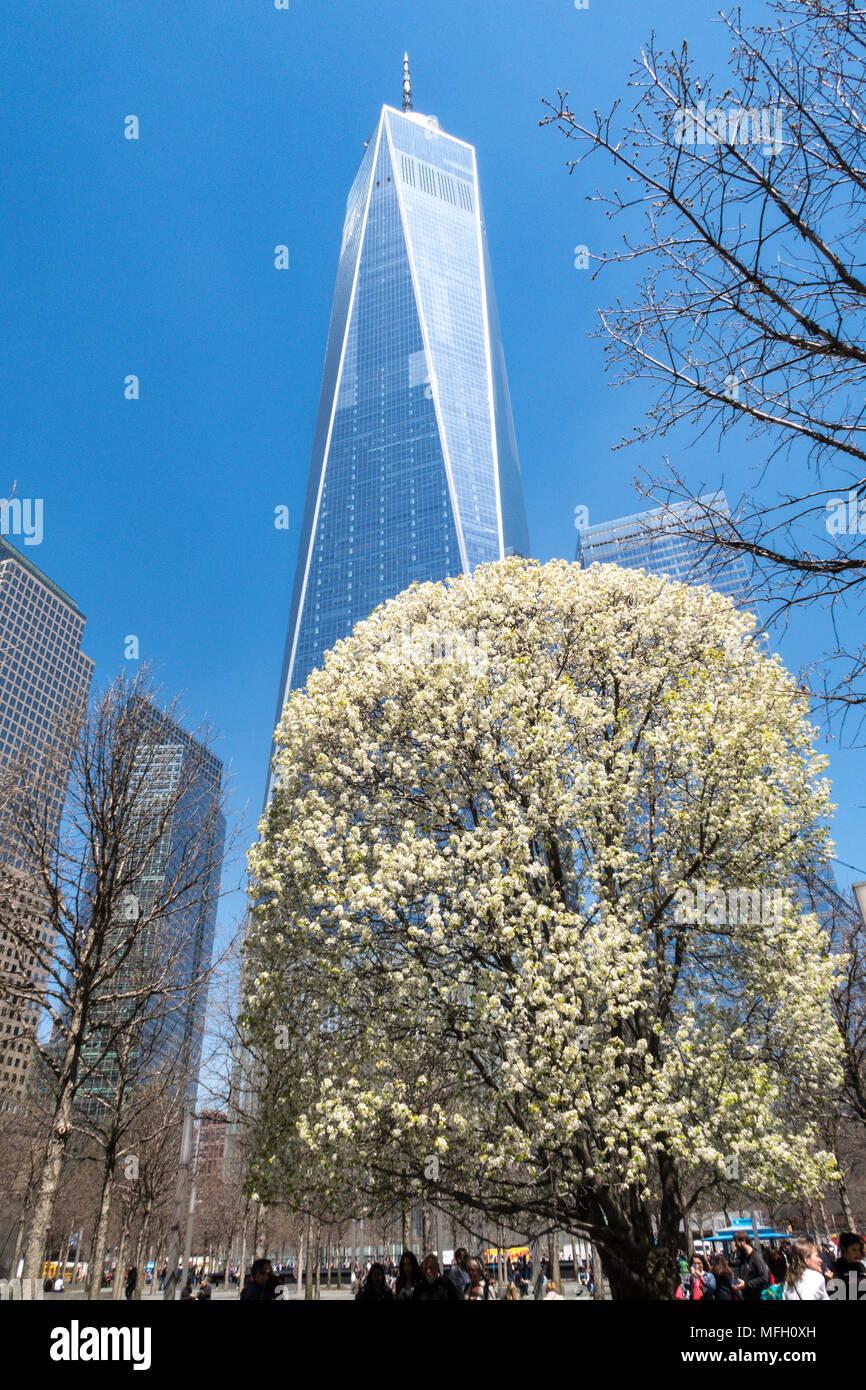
[
  {"x": 308, "y": 1241},
  {"x": 43, "y": 1208},
  {"x": 846, "y": 1203},
  {"x": 140, "y": 1247},
  {"x": 55, "y": 1148},
  {"x": 242, "y": 1273},
  {"x": 118, "y": 1285},
  {"x": 824, "y": 1218},
  {"x": 19, "y": 1242},
  {"x": 405, "y": 1228},
  {"x": 100, "y": 1235},
  {"x": 553, "y": 1259},
  {"x": 597, "y": 1276},
  {"x": 302, "y": 1256}
]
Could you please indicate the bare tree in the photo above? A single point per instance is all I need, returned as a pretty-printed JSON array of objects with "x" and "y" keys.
[
  {"x": 117, "y": 885},
  {"x": 747, "y": 208}
]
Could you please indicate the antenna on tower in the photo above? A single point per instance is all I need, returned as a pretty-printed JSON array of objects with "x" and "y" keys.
[{"x": 407, "y": 84}]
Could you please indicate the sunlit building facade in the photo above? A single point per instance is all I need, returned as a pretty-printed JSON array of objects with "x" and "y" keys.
[
  {"x": 414, "y": 472},
  {"x": 646, "y": 541}
]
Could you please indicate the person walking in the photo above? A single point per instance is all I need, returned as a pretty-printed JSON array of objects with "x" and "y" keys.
[
  {"x": 261, "y": 1285},
  {"x": 699, "y": 1282},
  {"x": 723, "y": 1276},
  {"x": 408, "y": 1277},
  {"x": 131, "y": 1281},
  {"x": 849, "y": 1268},
  {"x": 375, "y": 1287},
  {"x": 753, "y": 1275},
  {"x": 479, "y": 1287},
  {"x": 433, "y": 1287},
  {"x": 804, "y": 1280},
  {"x": 778, "y": 1266},
  {"x": 458, "y": 1272}
]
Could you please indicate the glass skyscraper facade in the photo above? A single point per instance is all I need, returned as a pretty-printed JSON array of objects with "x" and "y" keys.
[
  {"x": 171, "y": 770},
  {"x": 414, "y": 472},
  {"x": 644, "y": 541},
  {"x": 43, "y": 676}
]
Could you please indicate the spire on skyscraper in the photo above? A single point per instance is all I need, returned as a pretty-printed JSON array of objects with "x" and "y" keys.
[{"x": 407, "y": 84}]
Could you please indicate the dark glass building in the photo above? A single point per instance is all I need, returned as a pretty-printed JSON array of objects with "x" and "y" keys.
[{"x": 414, "y": 473}]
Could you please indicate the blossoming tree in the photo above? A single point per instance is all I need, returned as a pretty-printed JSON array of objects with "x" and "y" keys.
[{"x": 469, "y": 970}]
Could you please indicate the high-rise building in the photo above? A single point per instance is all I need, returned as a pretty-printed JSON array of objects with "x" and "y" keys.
[
  {"x": 645, "y": 541},
  {"x": 210, "y": 1152},
  {"x": 414, "y": 472},
  {"x": 44, "y": 676},
  {"x": 182, "y": 870}
]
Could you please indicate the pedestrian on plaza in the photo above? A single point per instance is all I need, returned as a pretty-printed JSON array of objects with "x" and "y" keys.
[
  {"x": 375, "y": 1287},
  {"x": 204, "y": 1288},
  {"x": 753, "y": 1275},
  {"x": 700, "y": 1282},
  {"x": 512, "y": 1294},
  {"x": 458, "y": 1272},
  {"x": 131, "y": 1281},
  {"x": 479, "y": 1288},
  {"x": 163, "y": 1275},
  {"x": 849, "y": 1268},
  {"x": 778, "y": 1267},
  {"x": 262, "y": 1283},
  {"x": 724, "y": 1279},
  {"x": 433, "y": 1288},
  {"x": 804, "y": 1280},
  {"x": 408, "y": 1277}
]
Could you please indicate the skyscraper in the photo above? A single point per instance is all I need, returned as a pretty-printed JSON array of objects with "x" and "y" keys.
[
  {"x": 182, "y": 869},
  {"x": 644, "y": 541},
  {"x": 43, "y": 675},
  {"x": 414, "y": 472}
]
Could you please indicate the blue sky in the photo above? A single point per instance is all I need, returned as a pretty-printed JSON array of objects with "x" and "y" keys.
[{"x": 155, "y": 257}]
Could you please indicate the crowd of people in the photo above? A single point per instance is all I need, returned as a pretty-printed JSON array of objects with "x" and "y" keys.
[
  {"x": 468, "y": 1279},
  {"x": 796, "y": 1271}
]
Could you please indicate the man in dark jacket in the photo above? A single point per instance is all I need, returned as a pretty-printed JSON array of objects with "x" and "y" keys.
[
  {"x": 753, "y": 1275},
  {"x": 261, "y": 1283},
  {"x": 849, "y": 1270},
  {"x": 433, "y": 1288}
]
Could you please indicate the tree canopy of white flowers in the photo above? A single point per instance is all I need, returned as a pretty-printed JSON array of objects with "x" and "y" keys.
[{"x": 466, "y": 941}]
